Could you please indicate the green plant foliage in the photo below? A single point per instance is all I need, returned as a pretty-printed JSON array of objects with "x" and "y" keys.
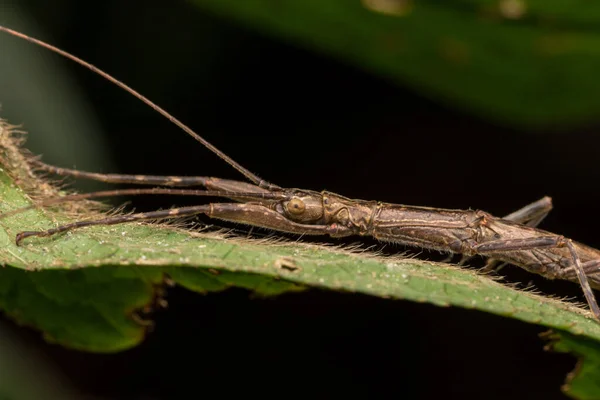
[
  {"x": 583, "y": 382},
  {"x": 530, "y": 63}
]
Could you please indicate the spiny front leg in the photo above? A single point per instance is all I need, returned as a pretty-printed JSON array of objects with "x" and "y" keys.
[
  {"x": 250, "y": 214},
  {"x": 123, "y": 178},
  {"x": 159, "y": 180},
  {"x": 118, "y": 219}
]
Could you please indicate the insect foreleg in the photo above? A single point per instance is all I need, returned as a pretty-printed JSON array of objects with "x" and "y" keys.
[
  {"x": 158, "y": 180},
  {"x": 263, "y": 217},
  {"x": 123, "y": 178},
  {"x": 251, "y": 214},
  {"x": 119, "y": 219}
]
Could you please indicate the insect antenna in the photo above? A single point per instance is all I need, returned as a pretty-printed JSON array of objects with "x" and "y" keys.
[{"x": 249, "y": 175}]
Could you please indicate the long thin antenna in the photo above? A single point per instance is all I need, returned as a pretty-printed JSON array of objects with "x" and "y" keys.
[{"x": 249, "y": 175}]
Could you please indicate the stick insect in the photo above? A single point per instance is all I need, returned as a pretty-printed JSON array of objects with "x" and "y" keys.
[{"x": 514, "y": 239}]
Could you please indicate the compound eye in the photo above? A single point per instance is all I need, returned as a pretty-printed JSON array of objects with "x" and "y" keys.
[{"x": 296, "y": 206}]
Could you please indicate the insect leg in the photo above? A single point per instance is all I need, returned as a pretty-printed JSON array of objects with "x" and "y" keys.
[
  {"x": 518, "y": 244},
  {"x": 591, "y": 269},
  {"x": 241, "y": 196},
  {"x": 530, "y": 215},
  {"x": 542, "y": 242},
  {"x": 123, "y": 178},
  {"x": 158, "y": 180},
  {"x": 251, "y": 214},
  {"x": 585, "y": 284},
  {"x": 118, "y": 219}
]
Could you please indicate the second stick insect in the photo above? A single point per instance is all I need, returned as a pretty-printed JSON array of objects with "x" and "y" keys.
[{"x": 514, "y": 239}]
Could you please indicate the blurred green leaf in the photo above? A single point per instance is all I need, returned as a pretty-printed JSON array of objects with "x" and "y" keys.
[
  {"x": 583, "y": 382},
  {"x": 39, "y": 93},
  {"x": 528, "y": 63}
]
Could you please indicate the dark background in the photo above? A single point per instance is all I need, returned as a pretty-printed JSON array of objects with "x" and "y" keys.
[{"x": 301, "y": 119}]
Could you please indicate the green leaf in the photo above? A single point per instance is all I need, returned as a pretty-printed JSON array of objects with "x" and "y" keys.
[
  {"x": 86, "y": 289},
  {"x": 583, "y": 382},
  {"x": 529, "y": 63}
]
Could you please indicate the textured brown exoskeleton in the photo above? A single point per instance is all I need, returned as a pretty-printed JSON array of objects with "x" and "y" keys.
[{"x": 513, "y": 239}]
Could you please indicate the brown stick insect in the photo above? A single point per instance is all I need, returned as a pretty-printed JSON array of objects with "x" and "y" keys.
[{"x": 514, "y": 239}]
